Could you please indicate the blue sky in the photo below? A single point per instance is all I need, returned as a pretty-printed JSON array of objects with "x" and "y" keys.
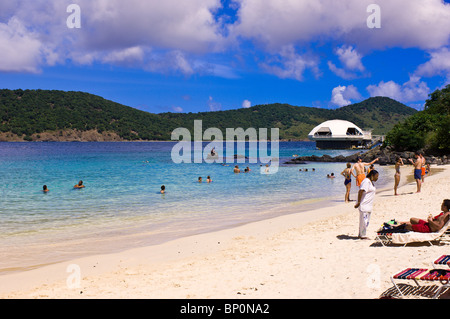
[{"x": 206, "y": 55}]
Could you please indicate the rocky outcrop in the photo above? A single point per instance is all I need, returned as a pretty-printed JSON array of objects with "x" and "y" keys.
[{"x": 385, "y": 156}]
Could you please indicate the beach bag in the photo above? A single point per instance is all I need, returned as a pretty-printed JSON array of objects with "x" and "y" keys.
[{"x": 390, "y": 229}]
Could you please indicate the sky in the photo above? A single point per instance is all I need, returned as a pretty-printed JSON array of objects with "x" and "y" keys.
[{"x": 210, "y": 55}]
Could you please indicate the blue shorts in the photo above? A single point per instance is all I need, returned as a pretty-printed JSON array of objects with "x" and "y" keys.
[{"x": 417, "y": 174}]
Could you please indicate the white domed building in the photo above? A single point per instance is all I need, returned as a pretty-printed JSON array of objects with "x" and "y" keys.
[{"x": 339, "y": 134}]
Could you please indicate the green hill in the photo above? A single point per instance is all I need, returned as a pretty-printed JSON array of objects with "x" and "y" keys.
[
  {"x": 58, "y": 115},
  {"x": 378, "y": 113},
  {"x": 427, "y": 130}
]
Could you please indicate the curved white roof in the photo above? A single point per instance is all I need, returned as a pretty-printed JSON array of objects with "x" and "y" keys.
[{"x": 336, "y": 129}]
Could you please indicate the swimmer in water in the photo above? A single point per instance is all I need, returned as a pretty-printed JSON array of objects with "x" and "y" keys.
[
  {"x": 163, "y": 189},
  {"x": 79, "y": 185},
  {"x": 45, "y": 189}
]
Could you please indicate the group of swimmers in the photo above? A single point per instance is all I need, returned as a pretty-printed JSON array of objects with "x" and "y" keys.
[
  {"x": 305, "y": 170},
  {"x": 208, "y": 179},
  {"x": 77, "y": 186}
]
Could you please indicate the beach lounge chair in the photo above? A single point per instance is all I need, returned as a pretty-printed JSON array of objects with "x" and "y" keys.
[
  {"x": 414, "y": 237},
  {"x": 421, "y": 276},
  {"x": 443, "y": 260}
]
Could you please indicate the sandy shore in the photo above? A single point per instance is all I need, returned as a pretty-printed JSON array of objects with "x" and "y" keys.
[{"x": 313, "y": 254}]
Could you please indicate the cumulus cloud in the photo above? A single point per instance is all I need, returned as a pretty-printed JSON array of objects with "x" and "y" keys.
[
  {"x": 439, "y": 64},
  {"x": 213, "y": 105},
  {"x": 410, "y": 91},
  {"x": 351, "y": 61},
  {"x": 246, "y": 104},
  {"x": 342, "y": 95},
  {"x": 163, "y": 24},
  {"x": 166, "y": 36},
  {"x": 34, "y": 33},
  {"x": 405, "y": 23},
  {"x": 21, "y": 50},
  {"x": 288, "y": 64},
  {"x": 177, "y": 109},
  {"x": 125, "y": 56}
]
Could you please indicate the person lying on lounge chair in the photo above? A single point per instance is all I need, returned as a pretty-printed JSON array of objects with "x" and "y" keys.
[{"x": 432, "y": 224}]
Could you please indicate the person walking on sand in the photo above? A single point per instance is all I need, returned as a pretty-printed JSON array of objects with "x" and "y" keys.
[
  {"x": 366, "y": 196},
  {"x": 347, "y": 173},
  {"x": 359, "y": 169},
  {"x": 417, "y": 171},
  {"x": 398, "y": 163}
]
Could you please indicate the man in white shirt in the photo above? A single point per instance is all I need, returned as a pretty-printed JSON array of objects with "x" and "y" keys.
[{"x": 366, "y": 196}]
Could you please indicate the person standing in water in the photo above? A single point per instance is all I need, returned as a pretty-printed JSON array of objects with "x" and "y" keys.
[
  {"x": 347, "y": 173},
  {"x": 398, "y": 163}
]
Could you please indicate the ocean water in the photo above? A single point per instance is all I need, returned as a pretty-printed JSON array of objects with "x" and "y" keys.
[{"x": 121, "y": 206}]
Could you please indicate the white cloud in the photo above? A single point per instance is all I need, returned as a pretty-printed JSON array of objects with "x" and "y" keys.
[
  {"x": 405, "y": 23},
  {"x": 350, "y": 59},
  {"x": 169, "y": 62},
  {"x": 113, "y": 31},
  {"x": 342, "y": 95},
  {"x": 177, "y": 109},
  {"x": 246, "y": 104},
  {"x": 174, "y": 32},
  {"x": 21, "y": 51},
  {"x": 410, "y": 91},
  {"x": 288, "y": 64},
  {"x": 169, "y": 24},
  {"x": 213, "y": 105},
  {"x": 125, "y": 56},
  {"x": 439, "y": 64}
]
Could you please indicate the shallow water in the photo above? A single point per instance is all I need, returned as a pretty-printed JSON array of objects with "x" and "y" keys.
[{"x": 121, "y": 206}]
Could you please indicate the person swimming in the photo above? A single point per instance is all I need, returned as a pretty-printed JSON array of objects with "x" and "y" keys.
[
  {"x": 163, "y": 189},
  {"x": 79, "y": 185},
  {"x": 45, "y": 189},
  {"x": 200, "y": 179},
  {"x": 208, "y": 179}
]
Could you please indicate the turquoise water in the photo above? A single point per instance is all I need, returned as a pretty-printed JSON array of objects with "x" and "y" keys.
[{"x": 121, "y": 206}]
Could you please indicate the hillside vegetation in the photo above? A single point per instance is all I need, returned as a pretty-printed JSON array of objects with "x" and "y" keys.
[
  {"x": 37, "y": 114},
  {"x": 427, "y": 130}
]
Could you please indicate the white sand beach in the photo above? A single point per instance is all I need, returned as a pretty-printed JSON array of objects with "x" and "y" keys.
[{"x": 313, "y": 254}]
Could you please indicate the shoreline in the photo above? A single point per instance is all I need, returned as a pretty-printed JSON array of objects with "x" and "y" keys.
[
  {"x": 169, "y": 266},
  {"x": 137, "y": 237}
]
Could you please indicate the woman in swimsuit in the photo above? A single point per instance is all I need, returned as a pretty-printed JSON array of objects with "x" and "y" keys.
[
  {"x": 347, "y": 173},
  {"x": 398, "y": 163}
]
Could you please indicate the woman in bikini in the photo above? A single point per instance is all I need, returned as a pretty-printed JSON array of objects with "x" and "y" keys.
[
  {"x": 398, "y": 163},
  {"x": 347, "y": 173}
]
